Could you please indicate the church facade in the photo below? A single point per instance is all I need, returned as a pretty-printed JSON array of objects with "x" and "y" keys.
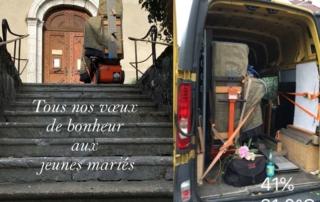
[{"x": 33, "y": 17}]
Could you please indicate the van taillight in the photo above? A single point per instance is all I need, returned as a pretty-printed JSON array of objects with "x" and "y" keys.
[{"x": 184, "y": 115}]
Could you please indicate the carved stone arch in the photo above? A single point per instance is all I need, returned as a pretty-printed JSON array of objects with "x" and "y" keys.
[
  {"x": 35, "y": 20},
  {"x": 66, "y": 20}
]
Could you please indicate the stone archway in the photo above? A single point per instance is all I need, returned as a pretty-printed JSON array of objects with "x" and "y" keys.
[{"x": 35, "y": 30}]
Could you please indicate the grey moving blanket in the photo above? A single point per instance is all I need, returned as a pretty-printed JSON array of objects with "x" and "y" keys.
[
  {"x": 97, "y": 36},
  {"x": 93, "y": 35},
  {"x": 233, "y": 57}
]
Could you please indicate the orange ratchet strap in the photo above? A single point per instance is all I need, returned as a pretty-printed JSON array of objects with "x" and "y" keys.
[
  {"x": 306, "y": 95},
  {"x": 312, "y": 96}
]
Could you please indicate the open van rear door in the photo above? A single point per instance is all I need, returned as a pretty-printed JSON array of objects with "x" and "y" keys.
[
  {"x": 190, "y": 86},
  {"x": 185, "y": 107}
]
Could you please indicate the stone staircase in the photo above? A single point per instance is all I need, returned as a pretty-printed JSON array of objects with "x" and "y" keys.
[{"x": 122, "y": 153}]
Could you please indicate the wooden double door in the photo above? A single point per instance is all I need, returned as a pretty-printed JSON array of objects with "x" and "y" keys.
[{"x": 63, "y": 43}]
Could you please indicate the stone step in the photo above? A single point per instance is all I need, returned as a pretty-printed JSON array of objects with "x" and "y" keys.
[
  {"x": 71, "y": 147},
  {"x": 80, "y": 91},
  {"x": 92, "y": 191},
  {"x": 128, "y": 130},
  {"x": 69, "y": 117},
  {"x": 81, "y": 98},
  {"x": 78, "y": 88},
  {"x": 141, "y": 142},
  {"x": 29, "y": 106},
  {"x": 20, "y": 170},
  {"x": 64, "y": 85}
]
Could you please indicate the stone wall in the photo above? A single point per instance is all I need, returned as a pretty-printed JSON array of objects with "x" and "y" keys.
[
  {"x": 157, "y": 81},
  {"x": 9, "y": 80}
]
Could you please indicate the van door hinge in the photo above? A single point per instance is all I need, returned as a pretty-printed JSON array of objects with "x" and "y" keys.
[
  {"x": 184, "y": 158},
  {"x": 181, "y": 159},
  {"x": 187, "y": 75}
]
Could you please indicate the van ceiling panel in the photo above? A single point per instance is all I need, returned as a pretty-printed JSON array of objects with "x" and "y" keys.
[
  {"x": 269, "y": 44},
  {"x": 282, "y": 37}
]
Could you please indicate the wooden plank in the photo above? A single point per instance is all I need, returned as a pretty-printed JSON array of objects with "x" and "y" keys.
[
  {"x": 301, "y": 130},
  {"x": 224, "y": 135},
  {"x": 263, "y": 117},
  {"x": 112, "y": 28},
  {"x": 224, "y": 89},
  {"x": 201, "y": 142},
  {"x": 266, "y": 116},
  {"x": 279, "y": 147},
  {"x": 269, "y": 116},
  {"x": 118, "y": 51},
  {"x": 304, "y": 156},
  {"x": 200, "y": 165},
  {"x": 118, "y": 22}
]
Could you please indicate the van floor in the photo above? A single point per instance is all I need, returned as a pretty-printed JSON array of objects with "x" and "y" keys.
[{"x": 220, "y": 189}]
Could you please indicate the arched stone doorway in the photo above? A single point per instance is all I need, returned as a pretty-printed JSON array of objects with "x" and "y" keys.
[
  {"x": 63, "y": 41},
  {"x": 36, "y": 16}
]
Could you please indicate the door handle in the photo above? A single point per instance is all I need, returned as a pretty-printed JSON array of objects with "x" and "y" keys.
[
  {"x": 56, "y": 71},
  {"x": 66, "y": 72}
]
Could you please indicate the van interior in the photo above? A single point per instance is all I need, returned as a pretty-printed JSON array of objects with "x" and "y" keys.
[{"x": 279, "y": 37}]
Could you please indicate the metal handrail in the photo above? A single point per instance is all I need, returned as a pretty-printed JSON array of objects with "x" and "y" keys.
[
  {"x": 153, "y": 33},
  {"x": 10, "y": 41},
  {"x": 5, "y": 30},
  {"x": 156, "y": 42}
]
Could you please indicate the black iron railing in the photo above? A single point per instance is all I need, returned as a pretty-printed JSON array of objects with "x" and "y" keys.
[
  {"x": 5, "y": 30},
  {"x": 153, "y": 34}
]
